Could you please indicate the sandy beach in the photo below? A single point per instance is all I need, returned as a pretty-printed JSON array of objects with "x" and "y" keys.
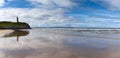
[{"x": 59, "y": 43}]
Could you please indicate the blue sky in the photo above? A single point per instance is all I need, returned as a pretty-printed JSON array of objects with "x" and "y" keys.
[{"x": 63, "y": 13}]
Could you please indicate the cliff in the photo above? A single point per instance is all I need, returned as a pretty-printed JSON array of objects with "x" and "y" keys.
[{"x": 14, "y": 25}]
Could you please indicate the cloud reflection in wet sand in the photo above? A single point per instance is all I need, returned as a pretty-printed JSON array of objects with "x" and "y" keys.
[{"x": 48, "y": 43}]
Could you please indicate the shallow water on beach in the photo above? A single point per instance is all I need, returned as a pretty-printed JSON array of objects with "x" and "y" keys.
[{"x": 59, "y": 43}]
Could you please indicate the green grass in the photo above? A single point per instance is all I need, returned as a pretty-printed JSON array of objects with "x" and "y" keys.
[{"x": 7, "y": 24}]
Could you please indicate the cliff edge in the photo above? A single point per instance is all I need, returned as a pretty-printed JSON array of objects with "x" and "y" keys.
[{"x": 14, "y": 25}]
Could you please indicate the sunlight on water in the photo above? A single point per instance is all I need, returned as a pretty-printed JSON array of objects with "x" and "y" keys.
[{"x": 59, "y": 43}]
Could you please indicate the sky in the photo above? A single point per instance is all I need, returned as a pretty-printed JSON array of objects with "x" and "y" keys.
[{"x": 62, "y": 13}]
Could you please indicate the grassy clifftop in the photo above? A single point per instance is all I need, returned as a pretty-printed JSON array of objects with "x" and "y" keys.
[{"x": 14, "y": 25}]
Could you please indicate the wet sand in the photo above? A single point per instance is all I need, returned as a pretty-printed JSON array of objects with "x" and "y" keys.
[{"x": 59, "y": 43}]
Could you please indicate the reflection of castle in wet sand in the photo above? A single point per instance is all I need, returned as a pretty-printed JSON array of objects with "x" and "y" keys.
[{"x": 17, "y": 33}]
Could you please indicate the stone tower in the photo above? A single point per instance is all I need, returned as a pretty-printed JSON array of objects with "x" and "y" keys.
[{"x": 17, "y": 20}]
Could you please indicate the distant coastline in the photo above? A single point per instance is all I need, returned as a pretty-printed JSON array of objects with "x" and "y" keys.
[{"x": 80, "y": 27}]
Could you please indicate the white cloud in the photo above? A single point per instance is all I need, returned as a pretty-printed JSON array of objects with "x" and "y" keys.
[
  {"x": 114, "y": 4},
  {"x": 36, "y": 17},
  {"x": 111, "y": 4},
  {"x": 2, "y": 2},
  {"x": 40, "y": 16},
  {"x": 52, "y": 3}
]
